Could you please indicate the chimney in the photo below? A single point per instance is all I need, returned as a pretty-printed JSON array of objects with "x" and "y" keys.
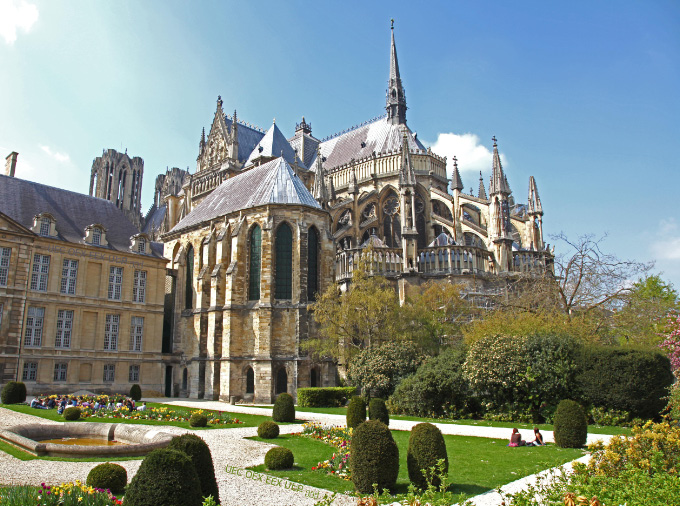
[{"x": 11, "y": 164}]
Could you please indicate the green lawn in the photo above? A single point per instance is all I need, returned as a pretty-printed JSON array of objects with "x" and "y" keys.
[
  {"x": 475, "y": 464},
  {"x": 593, "y": 429},
  {"x": 51, "y": 414}
]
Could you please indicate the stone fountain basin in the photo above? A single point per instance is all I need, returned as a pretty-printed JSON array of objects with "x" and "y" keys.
[{"x": 139, "y": 439}]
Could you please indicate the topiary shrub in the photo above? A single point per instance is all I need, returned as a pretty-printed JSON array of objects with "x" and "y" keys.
[
  {"x": 378, "y": 411},
  {"x": 356, "y": 412},
  {"x": 279, "y": 458},
  {"x": 199, "y": 453},
  {"x": 570, "y": 425},
  {"x": 108, "y": 476},
  {"x": 198, "y": 420},
  {"x": 324, "y": 397},
  {"x": 136, "y": 392},
  {"x": 284, "y": 408},
  {"x": 14, "y": 392},
  {"x": 629, "y": 380},
  {"x": 165, "y": 478},
  {"x": 426, "y": 447},
  {"x": 373, "y": 457},
  {"x": 72, "y": 413},
  {"x": 268, "y": 430}
]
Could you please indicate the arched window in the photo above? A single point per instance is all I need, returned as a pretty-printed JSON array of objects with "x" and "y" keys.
[
  {"x": 255, "y": 257},
  {"x": 185, "y": 379},
  {"x": 312, "y": 263},
  {"x": 314, "y": 380},
  {"x": 281, "y": 381},
  {"x": 284, "y": 263},
  {"x": 250, "y": 381},
  {"x": 189, "y": 291}
]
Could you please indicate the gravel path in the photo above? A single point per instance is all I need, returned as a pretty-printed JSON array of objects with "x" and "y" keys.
[{"x": 229, "y": 448}]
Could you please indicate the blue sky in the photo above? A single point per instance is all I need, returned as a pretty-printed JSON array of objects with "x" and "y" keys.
[{"x": 582, "y": 95}]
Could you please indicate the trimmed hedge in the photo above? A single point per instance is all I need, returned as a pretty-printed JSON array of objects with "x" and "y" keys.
[
  {"x": 109, "y": 477},
  {"x": 198, "y": 420},
  {"x": 14, "y": 392},
  {"x": 570, "y": 426},
  {"x": 630, "y": 380},
  {"x": 284, "y": 408},
  {"x": 326, "y": 397},
  {"x": 279, "y": 458},
  {"x": 378, "y": 411},
  {"x": 136, "y": 392},
  {"x": 373, "y": 457},
  {"x": 268, "y": 430},
  {"x": 356, "y": 412},
  {"x": 426, "y": 446},
  {"x": 165, "y": 478},
  {"x": 72, "y": 413},
  {"x": 199, "y": 453}
]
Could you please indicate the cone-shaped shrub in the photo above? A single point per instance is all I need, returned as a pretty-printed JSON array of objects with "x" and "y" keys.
[
  {"x": 356, "y": 412},
  {"x": 13, "y": 392},
  {"x": 378, "y": 411},
  {"x": 279, "y": 458},
  {"x": 199, "y": 453},
  {"x": 268, "y": 430},
  {"x": 135, "y": 392},
  {"x": 165, "y": 478},
  {"x": 108, "y": 476},
  {"x": 284, "y": 408},
  {"x": 373, "y": 457},
  {"x": 426, "y": 447},
  {"x": 570, "y": 425}
]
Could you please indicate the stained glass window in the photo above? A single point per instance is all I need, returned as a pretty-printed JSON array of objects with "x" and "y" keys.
[
  {"x": 312, "y": 263},
  {"x": 255, "y": 260},
  {"x": 284, "y": 263}
]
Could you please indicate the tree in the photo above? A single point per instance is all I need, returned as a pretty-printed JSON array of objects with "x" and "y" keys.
[
  {"x": 671, "y": 343},
  {"x": 643, "y": 317},
  {"x": 379, "y": 370},
  {"x": 363, "y": 316}
]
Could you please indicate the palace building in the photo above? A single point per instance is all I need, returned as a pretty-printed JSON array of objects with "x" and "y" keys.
[{"x": 239, "y": 249}]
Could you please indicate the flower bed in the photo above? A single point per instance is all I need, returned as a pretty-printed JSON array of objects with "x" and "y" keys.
[
  {"x": 162, "y": 414},
  {"x": 340, "y": 437},
  {"x": 66, "y": 494}
]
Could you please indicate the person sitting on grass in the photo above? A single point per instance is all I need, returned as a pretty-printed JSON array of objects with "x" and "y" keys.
[
  {"x": 516, "y": 439},
  {"x": 538, "y": 438},
  {"x": 51, "y": 403},
  {"x": 142, "y": 407}
]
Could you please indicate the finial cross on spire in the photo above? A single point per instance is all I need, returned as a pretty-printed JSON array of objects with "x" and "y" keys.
[
  {"x": 455, "y": 161},
  {"x": 392, "y": 27},
  {"x": 494, "y": 140}
]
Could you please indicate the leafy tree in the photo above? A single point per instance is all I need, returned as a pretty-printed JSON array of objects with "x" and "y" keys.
[
  {"x": 671, "y": 343},
  {"x": 379, "y": 370}
]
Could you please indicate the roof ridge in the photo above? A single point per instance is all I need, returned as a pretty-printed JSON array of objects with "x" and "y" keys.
[
  {"x": 352, "y": 128},
  {"x": 27, "y": 181}
]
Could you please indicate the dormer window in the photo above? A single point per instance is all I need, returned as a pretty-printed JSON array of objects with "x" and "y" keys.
[
  {"x": 141, "y": 245},
  {"x": 97, "y": 236},
  {"x": 45, "y": 225}
]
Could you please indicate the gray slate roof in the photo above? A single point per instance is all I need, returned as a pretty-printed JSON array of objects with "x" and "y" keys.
[
  {"x": 310, "y": 144},
  {"x": 273, "y": 143},
  {"x": 21, "y": 200},
  {"x": 247, "y": 138},
  {"x": 378, "y": 135},
  {"x": 274, "y": 182},
  {"x": 154, "y": 219}
]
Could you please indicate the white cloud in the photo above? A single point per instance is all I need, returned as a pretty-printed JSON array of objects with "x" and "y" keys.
[
  {"x": 15, "y": 14},
  {"x": 667, "y": 244},
  {"x": 60, "y": 157},
  {"x": 472, "y": 155}
]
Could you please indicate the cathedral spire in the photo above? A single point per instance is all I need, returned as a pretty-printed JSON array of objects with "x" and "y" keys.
[
  {"x": 396, "y": 98},
  {"x": 456, "y": 181},
  {"x": 481, "y": 193},
  {"x": 406, "y": 175},
  {"x": 534, "y": 202},
  {"x": 499, "y": 183},
  {"x": 201, "y": 143}
]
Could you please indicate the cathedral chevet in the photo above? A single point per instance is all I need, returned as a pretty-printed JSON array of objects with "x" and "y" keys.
[{"x": 266, "y": 222}]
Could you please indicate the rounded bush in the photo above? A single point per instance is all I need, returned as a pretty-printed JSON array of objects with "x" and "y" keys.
[
  {"x": 109, "y": 477},
  {"x": 356, "y": 412},
  {"x": 198, "y": 420},
  {"x": 378, "y": 411},
  {"x": 426, "y": 447},
  {"x": 13, "y": 392},
  {"x": 570, "y": 425},
  {"x": 165, "y": 478},
  {"x": 268, "y": 430},
  {"x": 279, "y": 458},
  {"x": 373, "y": 457},
  {"x": 71, "y": 414},
  {"x": 135, "y": 392},
  {"x": 324, "y": 397},
  {"x": 199, "y": 453},
  {"x": 284, "y": 408}
]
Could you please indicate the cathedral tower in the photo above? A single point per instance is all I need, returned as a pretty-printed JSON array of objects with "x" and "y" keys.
[
  {"x": 396, "y": 97},
  {"x": 118, "y": 178}
]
